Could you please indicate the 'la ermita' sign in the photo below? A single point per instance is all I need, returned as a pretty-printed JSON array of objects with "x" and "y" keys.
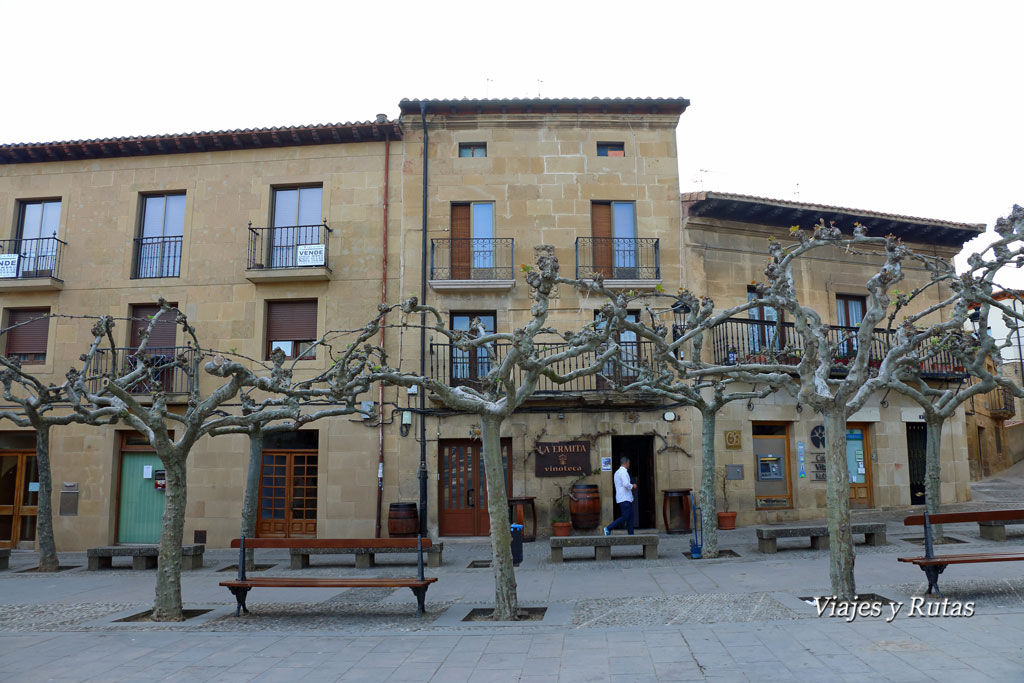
[
  {"x": 563, "y": 458},
  {"x": 309, "y": 255}
]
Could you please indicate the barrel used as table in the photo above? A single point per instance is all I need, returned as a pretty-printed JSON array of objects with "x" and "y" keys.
[
  {"x": 678, "y": 501},
  {"x": 403, "y": 520},
  {"x": 585, "y": 506},
  {"x": 517, "y": 514}
]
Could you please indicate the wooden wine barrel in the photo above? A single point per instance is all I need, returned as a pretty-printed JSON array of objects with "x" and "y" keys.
[
  {"x": 585, "y": 506},
  {"x": 403, "y": 520}
]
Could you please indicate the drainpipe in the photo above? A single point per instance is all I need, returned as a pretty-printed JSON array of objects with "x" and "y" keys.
[
  {"x": 423, "y": 332},
  {"x": 383, "y": 301}
]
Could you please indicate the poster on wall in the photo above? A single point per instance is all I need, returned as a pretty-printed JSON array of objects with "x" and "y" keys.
[
  {"x": 606, "y": 464},
  {"x": 563, "y": 458}
]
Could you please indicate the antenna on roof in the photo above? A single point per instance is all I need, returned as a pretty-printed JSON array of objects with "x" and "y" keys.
[
  {"x": 487, "y": 88},
  {"x": 538, "y": 86},
  {"x": 796, "y": 192},
  {"x": 700, "y": 177}
]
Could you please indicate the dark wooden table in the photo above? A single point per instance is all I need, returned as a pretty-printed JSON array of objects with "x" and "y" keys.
[
  {"x": 516, "y": 512},
  {"x": 681, "y": 498}
]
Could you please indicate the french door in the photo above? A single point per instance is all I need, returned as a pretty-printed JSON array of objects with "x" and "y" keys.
[
  {"x": 462, "y": 486},
  {"x": 288, "y": 483},
  {"x": 19, "y": 496}
]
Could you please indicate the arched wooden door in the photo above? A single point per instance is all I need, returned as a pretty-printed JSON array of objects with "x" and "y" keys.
[{"x": 288, "y": 494}]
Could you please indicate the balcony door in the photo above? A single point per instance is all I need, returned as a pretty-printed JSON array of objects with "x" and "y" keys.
[
  {"x": 158, "y": 250},
  {"x": 37, "y": 238},
  {"x": 472, "y": 244},
  {"x": 849, "y": 314},
  {"x": 297, "y": 220},
  {"x": 613, "y": 226},
  {"x": 462, "y": 486},
  {"x": 159, "y": 347},
  {"x": 469, "y": 367}
]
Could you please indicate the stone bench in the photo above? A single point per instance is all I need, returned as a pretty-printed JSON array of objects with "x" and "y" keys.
[
  {"x": 602, "y": 545},
  {"x": 143, "y": 556},
  {"x": 767, "y": 536},
  {"x": 5, "y": 558},
  {"x": 995, "y": 530},
  {"x": 365, "y": 554}
]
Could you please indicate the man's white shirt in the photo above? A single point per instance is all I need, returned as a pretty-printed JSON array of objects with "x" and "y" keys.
[{"x": 623, "y": 486}]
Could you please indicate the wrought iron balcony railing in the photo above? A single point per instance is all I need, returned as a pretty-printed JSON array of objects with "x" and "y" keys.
[
  {"x": 296, "y": 246},
  {"x": 31, "y": 258},
  {"x": 157, "y": 257},
  {"x": 472, "y": 259},
  {"x": 162, "y": 376},
  {"x": 618, "y": 258},
  {"x": 741, "y": 340},
  {"x": 1000, "y": 404},
  {"x": 461, "y": 368}
]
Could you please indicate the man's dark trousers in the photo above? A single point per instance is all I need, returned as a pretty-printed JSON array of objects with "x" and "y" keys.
[{"x": 626, "y": 508}]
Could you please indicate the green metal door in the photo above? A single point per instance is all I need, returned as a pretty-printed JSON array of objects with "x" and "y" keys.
[{"x": 141, "y": 505}]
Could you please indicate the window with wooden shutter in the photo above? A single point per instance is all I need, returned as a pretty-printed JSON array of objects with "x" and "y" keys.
[
  {"x": 164, "y": 332},
  {"x": 291, "y": 327},
  {"x": 27, "y": 341},
  {"x": 461, "y": 236},
  {"x": 601, "y": 230}
]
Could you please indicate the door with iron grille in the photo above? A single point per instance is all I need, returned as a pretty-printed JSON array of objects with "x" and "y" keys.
[
  {"x": 462, "y": 486},
  {"x": 917, "y": 446},
  {"x": 288, "y": 483}
]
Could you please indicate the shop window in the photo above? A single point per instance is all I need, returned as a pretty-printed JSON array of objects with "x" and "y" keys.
[{"x": 291, "y": 327}]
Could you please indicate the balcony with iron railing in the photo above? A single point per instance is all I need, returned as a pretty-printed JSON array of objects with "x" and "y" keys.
[
  {"x": 455, "y": 367},
  {"x": 163, "y": 376},
  {"x": 1000, "y": 403},
  {"x": 742, "y": 340},
  {"x": 472, "y": 264},
  {"x": 28, "y": 265},
  {"x": 634, "y": 263},
  {"x": 297, "y": 253},
  {"x": 157, "y": 257}
]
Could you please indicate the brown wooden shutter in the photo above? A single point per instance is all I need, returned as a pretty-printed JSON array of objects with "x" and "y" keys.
[
  {"x": 291, "y": 320},
  {"x": 30, "y": 338},
  {"x": 164, "y": 332},
  {"x": 601, "y": 231},
  {"x": 460, "y": 249}
]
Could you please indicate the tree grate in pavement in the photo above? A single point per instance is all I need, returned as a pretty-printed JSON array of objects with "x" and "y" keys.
[{"x": 721, "y": 553}]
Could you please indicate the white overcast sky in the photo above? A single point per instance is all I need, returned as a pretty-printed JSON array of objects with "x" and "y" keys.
[{"x": 903, "y": 107}]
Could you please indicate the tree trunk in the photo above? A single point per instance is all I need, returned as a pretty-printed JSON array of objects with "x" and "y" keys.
[
  {"x": 708, "y": 513},
  {"x": 932, "y": 473},
  {"x": 840, "y": 540},
  {"x": 167, "y": 606},
  {"x": 48, "y": 561},
  {"x": 250, "y": 503},
  {"x": 506, "y": 601}
]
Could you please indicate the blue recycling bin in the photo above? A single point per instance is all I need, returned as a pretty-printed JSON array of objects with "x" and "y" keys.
[{"x": 517, "y": 544}]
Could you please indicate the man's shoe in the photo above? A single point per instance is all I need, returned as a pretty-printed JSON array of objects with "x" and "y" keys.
[{"x": 606, "y": 532}]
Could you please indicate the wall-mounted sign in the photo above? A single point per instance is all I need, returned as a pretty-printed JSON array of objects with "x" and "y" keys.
[
  {"x": 819, "y": 467},
  {"x": 606, "y": 464},
  {"x": 563, "y": 459},
  {"x": 800, "y": 462},
  {"x": 733, "y": 440},
  {"x": 310, "y": 255},
  {"x": 8, "y": 265},
  {"x": 772, "y": 503}
]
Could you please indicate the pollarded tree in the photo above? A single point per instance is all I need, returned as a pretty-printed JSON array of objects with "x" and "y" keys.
[
  {"x": 510, "y": 380},
  {"x": 283, "y": 399}
]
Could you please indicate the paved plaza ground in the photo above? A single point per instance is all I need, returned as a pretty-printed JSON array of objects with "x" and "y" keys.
[{"x": 731, "y": 619}]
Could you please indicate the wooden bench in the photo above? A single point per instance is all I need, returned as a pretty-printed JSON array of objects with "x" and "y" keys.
[
  {"x": 933, "y": 565},
  {"x": 143, "y": 556},
  {"x": 364, "y": 549},
  {"x": 5, "y": 557},
  {"x": 767, "y": 536},
  {"x": 241, "y": 586},
  {"x": 602, "y": 545},
  {"x": 994, "y": 529}
]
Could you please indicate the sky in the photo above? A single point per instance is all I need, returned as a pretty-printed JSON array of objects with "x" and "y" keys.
[{"x": 903, "y": 107}]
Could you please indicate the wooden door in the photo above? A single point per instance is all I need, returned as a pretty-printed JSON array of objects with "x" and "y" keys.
[
  {"x": 461, "y": 222},
  {"x": 601, "y": 231},
  {"x": 858, "y": 463},
  {"x": 288, "y": 494},
  {"x": 19, "y": 496},
  {"x": 462, "y": 486}
]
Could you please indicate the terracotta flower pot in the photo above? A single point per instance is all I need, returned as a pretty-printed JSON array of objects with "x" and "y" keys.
[
  {"x": 727, "y": 520},
  {"x": 561, "y": 528}
]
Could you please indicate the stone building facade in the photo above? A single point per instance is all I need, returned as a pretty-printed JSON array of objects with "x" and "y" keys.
[{"x": 273, "y": 236}]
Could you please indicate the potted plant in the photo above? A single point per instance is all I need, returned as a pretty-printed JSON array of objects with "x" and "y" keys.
[
  {"x": 560, "y": 524},
  {"x": 726, "y": 519}
]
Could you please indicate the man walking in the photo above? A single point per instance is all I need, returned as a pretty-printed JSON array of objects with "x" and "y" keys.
[{"x": 624, "y": 497}]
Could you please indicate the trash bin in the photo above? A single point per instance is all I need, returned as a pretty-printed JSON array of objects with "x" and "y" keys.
[{"x": 517, "y": 544}]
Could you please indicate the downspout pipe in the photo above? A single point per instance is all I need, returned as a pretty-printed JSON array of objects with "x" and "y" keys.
[
  {"x": 383, "y": 301},
  {"x": 423, "y": 335}
]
